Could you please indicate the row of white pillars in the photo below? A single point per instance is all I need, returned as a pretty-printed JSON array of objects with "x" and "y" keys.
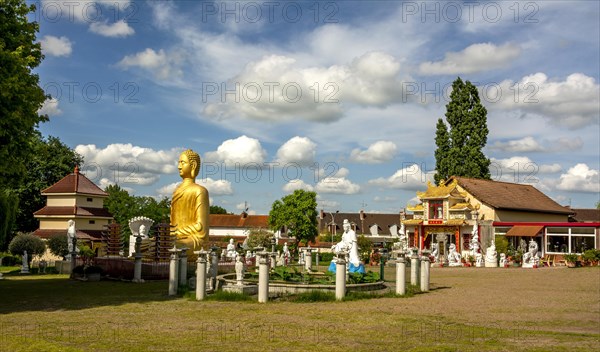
[{"x": 419, "y": 273}]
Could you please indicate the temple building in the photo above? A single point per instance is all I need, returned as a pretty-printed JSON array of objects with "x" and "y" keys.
[
  {"x": 236, "y": 226},
  {"x": 377, "y": 227},
  {"x": 459, "y": 207},
  {"x": 76, "y": 198}
]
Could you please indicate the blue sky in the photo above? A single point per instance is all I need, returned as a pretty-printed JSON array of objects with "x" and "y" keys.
[{"x": 339, "y": 97}]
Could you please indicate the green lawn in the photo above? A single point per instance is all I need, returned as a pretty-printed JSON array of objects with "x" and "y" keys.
[{"x": 468, "y": 309}]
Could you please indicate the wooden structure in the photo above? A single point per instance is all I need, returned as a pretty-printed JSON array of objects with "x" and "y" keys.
[{"x": 111, "y": 238}]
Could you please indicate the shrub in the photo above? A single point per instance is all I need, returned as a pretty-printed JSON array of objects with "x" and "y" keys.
[
  {"x": 27, "y": 242},
  {"x": 571, "y": 258},
  {"x": 59, "y": 246},
  {"x": 501, "y": 244},
  {"x": 325, "y": 257},
  {"x": 9, "y": 259}
]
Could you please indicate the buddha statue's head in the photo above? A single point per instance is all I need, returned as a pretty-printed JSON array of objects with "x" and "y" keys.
[{"x": 189, "y": 164}]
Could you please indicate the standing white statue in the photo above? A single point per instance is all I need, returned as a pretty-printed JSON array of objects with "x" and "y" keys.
[
  {"x": 474, "y": 244},
  {"x": 25, "y": 266},
  {"x": 403, "y": 241},
  {"x": 453, "y": 256},
  {"x": 286, "y": 254},
  {"x": 349, "y": 244},
  {"x": 139, "y": 227},
  {"x": 491, "y": 257},
  {"x": 502, "y": 260},
  {"x": 479, "y": 260},
  {"x": 239, "y": 270},
  {"x": 71, "y": 237}
]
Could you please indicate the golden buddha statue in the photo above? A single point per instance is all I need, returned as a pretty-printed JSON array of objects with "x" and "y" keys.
[{"x": 189, "y": 205}]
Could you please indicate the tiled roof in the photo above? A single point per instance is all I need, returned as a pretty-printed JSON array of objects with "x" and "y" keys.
[
  {"x": 73, "y": 211},
  {"x": 239, "y": 221},
  {"x": 445, "y": 190},
  {"x": 586, "y": 215},
  {"x": 93, "y": 235},
  {"x": 513, "y": 196},
  {"x": 461, "y": 206},
  {"x": 75, "y": 183}
]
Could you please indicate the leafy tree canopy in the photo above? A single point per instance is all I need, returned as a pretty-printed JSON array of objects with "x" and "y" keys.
[
  {"x": 215, "y": 209},
  {"x": 27, "y": 242},
  {"x": 459, "y": 147},
  {"x": 298, "y": 213}
]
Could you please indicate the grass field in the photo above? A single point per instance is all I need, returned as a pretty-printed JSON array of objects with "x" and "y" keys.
[{"x": 468, "y": 309}]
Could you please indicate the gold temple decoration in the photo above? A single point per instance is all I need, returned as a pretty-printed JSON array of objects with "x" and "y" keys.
[{"x": 189, "y": 205}]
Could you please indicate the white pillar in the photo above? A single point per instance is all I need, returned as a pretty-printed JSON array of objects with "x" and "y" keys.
[
  {"x": 263, "y": 277},
  {"x": 308, "y": 260},
  {"x": 340, "y": 277},
  {"x": 137, "y": 268},
  {"x": 173, "y": 271},
  {"x": 273, "y": 258},
  {"x": 414, "y": 269},
  {"x": 183, "y": 266},
  {"x": 425, "y": 273},
  {"x": 214, "y": 258},
  {"x": 201, "y": 275},
  {"x": 401, "y": 276}
]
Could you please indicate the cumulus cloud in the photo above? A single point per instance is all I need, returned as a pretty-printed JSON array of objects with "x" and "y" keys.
[
  {"x": 117, "y": 29},
  {"x": 339, "y": 185},
  {"x": 278, "y": 88},
  {"x": 50, "y": 108},
  {"x": 520, "y": 169},
  {"x": 296, "y": 184},
  {"x": 529, "y": 144},
  {"x": 572, "y": 103},
  {"x": 126, "y": 163},
  {"x": 580, "y": 178},
  {"x": 54, "y": 46},
  {"x": 474, "y": 58},
  {"x": 164, "y": 66},
  {"x": 214, "y": 187},
  {"x": 244, "y": 151},
  {"x": 409, "y": 178},
  {"x": 377, "y": 152},
  {"x": 298, "y": 150}
]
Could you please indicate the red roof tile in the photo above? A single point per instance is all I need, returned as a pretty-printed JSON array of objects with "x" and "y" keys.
[
  {"x": 93, "y": 235},
  {"x": 75, "y": 183},
  {"x": 239, "y": 221},
  {"x": 514, "y": 196},
  {"x": 73, "y": 211},
  {"x": 586, "y": 215}
]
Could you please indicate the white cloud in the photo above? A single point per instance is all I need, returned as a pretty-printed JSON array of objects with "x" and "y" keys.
[
  {"x": 126, "y": 163},
  {"x": 520, "y": 169},
  {"x": 54, "y": 46},
  {"x": 296, "y": 184},
  {"x": 243, "y": 150},
  {"x": 529, "y": 144},
  {"x": 167, "y": 190},
  {"x": 279, "y": 88},
  {"x": 377, "y": 152},
  {"x": 214, "y": 187},
  {"x": 50, "y": 108},
  {"x": 339, "y": 185},
  {"x": 474, "y": 58},
  {"x": 572, "y": 103},
  {"x": 162, "y": 65},
  {"x": 117, "y": 29},
  {"x": 580, "y": 178},
  {"x": 410, "y": 178},
  {"x": 298, "y": 150},
  {"x": 105, "y": 182}
]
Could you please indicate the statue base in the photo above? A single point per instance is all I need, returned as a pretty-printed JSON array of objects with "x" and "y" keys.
[
  {"x": 491, "y": 264},
  {"x": 243, "y": 289}
]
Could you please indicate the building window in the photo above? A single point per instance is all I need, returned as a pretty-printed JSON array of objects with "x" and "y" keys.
[
  {"x": 90, "y": 200},
  {"x": 436, "y": 209},
  {"x": 570, "y": 239},
  {"x": 92, "y": 222}
]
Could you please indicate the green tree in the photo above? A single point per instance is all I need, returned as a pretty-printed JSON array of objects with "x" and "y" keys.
[
  {"x": 365, "y": 246},
  {"x": 59, "y": 246},
  {"x": 9, "y": 204},
  {"x": 259, "y": 238},
  {"x": 215, "y": 209},
  {"x": 459, "y": 148},
  {"x": 51, "y": 161},
  {"x": 20, "y": 94},
  {"x": 27, "y": 242},
  {"x": 298, "y": 213}
]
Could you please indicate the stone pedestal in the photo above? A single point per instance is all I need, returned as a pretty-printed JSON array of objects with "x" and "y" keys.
[
  {"x": 201, "y": 275},
  {"x": 173, "y": 271},
  {"x": 273, "y": 260},
  {"x": 400, "y": 276},
  {"x": 263, "y": 277},
  {"x": 214, "y": 267},
  {"x": 73, "y": 260},
  {"x": 415, "y": 271},
  {"x": 340, "y": 277},
  {"x": 425, "y": 267},
  {"x": 308, "y": 260},
  {"x": 183, "y": 266},
  {"x": 137, "y": 266},
  {"x": 493, "y": 264}
]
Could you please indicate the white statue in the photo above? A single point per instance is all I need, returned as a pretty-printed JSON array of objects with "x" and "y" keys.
[
  {"x": 453, "y": 256},
  {"x": 301, "y": 255},
  {"x": 531, "y": 258},
  {"x": 502, "y": 260},
  {"x": 25, "y": 266},
  {"x": 435, "y": 252},
  {"x": 348, "y": 244},
  {"x": 231, "y": 252},
  {"x": 479, "y": 260},
  {"x": 239, "y": 270},
  {"x": 71, "y": 237},
  {"x": 491, "y": 257},
  {"x": 402, "y": 244},
  {"x": 474, "y": 244},
  {"x": 139, "y": 226}
]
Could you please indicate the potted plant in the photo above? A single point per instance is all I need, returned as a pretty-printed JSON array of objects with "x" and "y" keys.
[
  {"x": 517, "y": 258},
  {"x": 571, "y": 260}
]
